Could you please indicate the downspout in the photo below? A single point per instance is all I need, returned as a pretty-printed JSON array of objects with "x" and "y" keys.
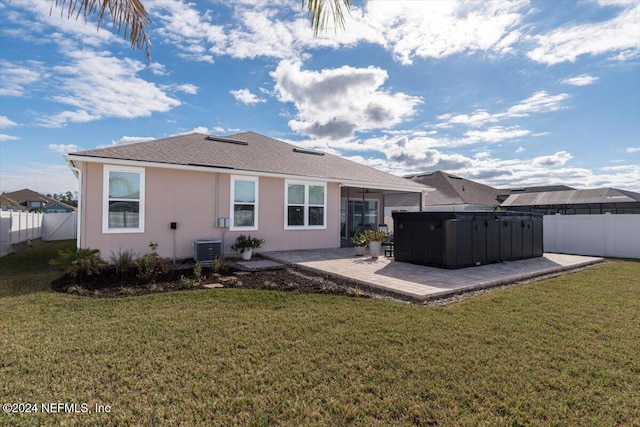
[
  {"x": 216, "y": 198},
  {"x": 216, "y": 210},
  {"x": 78, "y": 173}
]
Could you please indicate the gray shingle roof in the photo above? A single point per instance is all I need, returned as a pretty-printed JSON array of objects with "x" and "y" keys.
[
  {"x": 453, "y": 190},
  {"x": 255, "y": 153},
  {"x": 573, "y": 197}
]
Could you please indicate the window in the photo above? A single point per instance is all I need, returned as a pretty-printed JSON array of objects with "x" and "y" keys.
[
  {"x": 244, "y": 203},
  {"x": 123, "y": 204},
  {"x": 305, "y": 205}
]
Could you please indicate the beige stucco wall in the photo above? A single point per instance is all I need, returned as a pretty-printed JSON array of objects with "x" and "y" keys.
[{"x": 189, "y": 198}]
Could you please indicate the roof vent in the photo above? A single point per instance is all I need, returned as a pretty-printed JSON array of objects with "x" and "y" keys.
[
  {"x": 303, "y": 151},
  {"x": 226, "y": 140}
]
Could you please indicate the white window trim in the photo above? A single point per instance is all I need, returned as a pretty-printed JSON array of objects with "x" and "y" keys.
[
  {"x": 232, "y": 186},
  {"x": 306, "y": 225},
  {"x": 105, "y": 199}
]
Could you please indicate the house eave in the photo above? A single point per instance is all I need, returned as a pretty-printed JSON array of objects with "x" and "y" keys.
[{"x": 72, "y": 158}]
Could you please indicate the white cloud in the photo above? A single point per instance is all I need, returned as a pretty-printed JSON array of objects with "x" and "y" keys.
[
  {"x": 557, "y": 159},
  {"x": 633, "y": 149},
  {"x": 43, "y": 178},
  {"x": 56, "y": 25},
  {"x": 581, "y": 80},
  {"x": 158, "y": 69},
  {"x": 616, "y": 35},
  {"x": 246, "y": 97},
  {"x": 5, "y": 137},
  {"x": 6, "y": 122},
  {"x": 126, "y": 140},
  {"x": 64, "y": 148},
  {"x": 415, "y": 152},
  {"x": 478, "y": 118},
  {"x": 199, "y": 129},
  {"x": 187, "y": 88},
  {"x": 61, "y": 119},
  {"x": 493, "y": 134},
  {"x": 402, "y": 156},
  {"x": 437, "y": 29},
  {"x": 16, "y": 78},
  {"x": 539, "y": 102},
  {"x": 191, "y": 32},
  {"x": 336, "y": 103},
  {"x": 98, "y": 85},
  {"x": 408, "y": 29}
]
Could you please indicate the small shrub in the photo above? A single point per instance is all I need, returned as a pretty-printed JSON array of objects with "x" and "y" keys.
[
  {"x": 75, "y": 290},
  {"x": 123, "y": 260},
  {"x": 270, "y": 285},
  {"x": 188, "y": 283},
  {"x": 220, "y": 266},
  {"x": 197, "y": 271},
  {"x": 156, "y": 288},
  {"x": 78, "y": 263},
  {"x": 354, "y": 292},
  {"x": 150, "y": 266},
  {"x": 292, "y": 285},
  {"x": 233, "y": 283},
  {"x": 126, "y": 291}
]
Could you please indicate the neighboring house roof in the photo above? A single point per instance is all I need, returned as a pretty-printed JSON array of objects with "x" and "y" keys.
[
  {"x": 9, "y": 204},
  {"x": 572, "y": 197},
  {"x": 27, "y": 195},
  {"x": 454, "y": 190},
  {"x": 22, "y": 197},
  {"x": 538, "y": 189},
  {"x": 247, "y": 151}
]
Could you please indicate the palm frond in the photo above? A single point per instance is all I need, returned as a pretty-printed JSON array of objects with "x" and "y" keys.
[
  {"x": 321, "y": 10},
  {"x": 128, "y": 14}
]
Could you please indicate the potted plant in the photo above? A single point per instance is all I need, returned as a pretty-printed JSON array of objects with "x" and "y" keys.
[
  {"x": 376, "y": 239},
  {"x": 245, "y": 245},
  {"x": 360, "y": 243}
]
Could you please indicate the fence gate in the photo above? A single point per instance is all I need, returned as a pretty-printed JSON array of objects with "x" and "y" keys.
[{"x": 59, "y": 226}]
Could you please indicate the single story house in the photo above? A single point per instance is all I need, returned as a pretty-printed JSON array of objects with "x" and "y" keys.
[
  {"x": 447, "y": 193},
  {"x": 191, "y": 187},
  {"x": 36, "y": 202}
]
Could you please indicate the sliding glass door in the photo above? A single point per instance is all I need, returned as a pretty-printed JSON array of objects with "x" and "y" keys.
[{"x": 357, "y": 214}]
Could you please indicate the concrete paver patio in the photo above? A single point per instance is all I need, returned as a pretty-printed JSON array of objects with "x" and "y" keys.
[{"x": 422, "y": 282}]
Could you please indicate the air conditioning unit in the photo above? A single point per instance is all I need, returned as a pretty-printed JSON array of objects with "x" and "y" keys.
[{"x": 206, "y": 251}]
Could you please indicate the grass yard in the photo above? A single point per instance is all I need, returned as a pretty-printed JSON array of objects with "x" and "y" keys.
[{"x": 563, "y": 351}]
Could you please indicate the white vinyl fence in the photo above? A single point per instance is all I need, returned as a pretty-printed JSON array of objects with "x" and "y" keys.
[
  {"x": 601, "y": 235},
  {"x": 17, "y": 227},
  {"x": 59, "y": 226}
]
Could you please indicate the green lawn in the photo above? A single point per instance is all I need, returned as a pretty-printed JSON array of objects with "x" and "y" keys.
[{"x": 564, "y": 351}]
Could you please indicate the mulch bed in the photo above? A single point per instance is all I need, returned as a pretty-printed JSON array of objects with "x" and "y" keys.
[{"x": 108, "y": 284}]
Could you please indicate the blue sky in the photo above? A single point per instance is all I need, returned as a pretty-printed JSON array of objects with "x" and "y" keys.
[{"x": 508, "y": 93}]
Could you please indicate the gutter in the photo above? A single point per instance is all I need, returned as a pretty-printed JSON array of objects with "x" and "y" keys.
[{"x": 414, "y": 188}]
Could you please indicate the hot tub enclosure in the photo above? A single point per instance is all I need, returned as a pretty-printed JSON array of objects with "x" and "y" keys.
[{"x": 456, "y": 240}]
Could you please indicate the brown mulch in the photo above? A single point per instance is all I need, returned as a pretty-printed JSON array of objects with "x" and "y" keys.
[{"x": 108, "y": 284}]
